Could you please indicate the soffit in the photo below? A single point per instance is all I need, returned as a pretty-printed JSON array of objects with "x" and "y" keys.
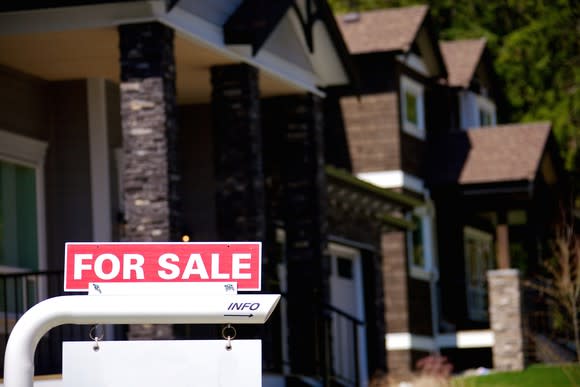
[{"x": 94, "y": 53}]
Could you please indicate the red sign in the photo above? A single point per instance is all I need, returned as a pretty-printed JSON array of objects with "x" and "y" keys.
[{"x": 163, "y": 262}]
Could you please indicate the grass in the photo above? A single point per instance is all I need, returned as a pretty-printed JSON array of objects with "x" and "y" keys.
[{"x": 566, "y": 375}]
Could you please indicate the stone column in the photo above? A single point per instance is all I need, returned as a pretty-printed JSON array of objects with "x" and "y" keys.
[
  {"x": 505, "y": 315},
  {"x": 298, "y": 122},
  {"x": 148, "y": 109},
  {"x": 240, "y": 196},
  {"x": 395, "y": 285}
]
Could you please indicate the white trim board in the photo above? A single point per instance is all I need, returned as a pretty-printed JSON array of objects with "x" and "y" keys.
[
  {"x": 210, "y": 35},
  {"x": 99, "y": 160},
  {"x": 22, "y": 149},
  {"x": 393, "y": 179},
  {"x": 461, "y": 339}
]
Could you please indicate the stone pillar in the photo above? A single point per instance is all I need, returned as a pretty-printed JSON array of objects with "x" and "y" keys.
[
  {"x": 148, "y": 109},
  {"x": 505, "y": 315},
  {"x": 299, "y": 122},
  {"x": 395, "y": 285},
  {"x": 240, "y": 196}
]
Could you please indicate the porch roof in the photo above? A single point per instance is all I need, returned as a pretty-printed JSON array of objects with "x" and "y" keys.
[
  {"x": 353, "y": 195},
  {"x": 489, "y": 155},
  {"x": 72, "y": 39}
]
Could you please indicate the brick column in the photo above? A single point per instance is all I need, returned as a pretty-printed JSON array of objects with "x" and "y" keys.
[
  {"x": 395, "y": 285},
  {"x": 240, "y": 199},
  {"x": 505, "y": 315},
  {"x": 148, "y": 109}
]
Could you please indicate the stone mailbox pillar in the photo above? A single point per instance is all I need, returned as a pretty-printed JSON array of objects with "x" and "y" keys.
[{"x": 505, "y": 316}]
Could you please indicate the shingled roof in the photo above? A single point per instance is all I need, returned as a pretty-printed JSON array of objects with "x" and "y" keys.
[
  {"x": 461, "y": 59},
  {"x": 490, "y": 154},
  {"x": 392, "y": 29}
]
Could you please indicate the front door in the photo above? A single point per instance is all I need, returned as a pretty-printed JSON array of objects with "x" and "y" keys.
[{"x": 347, "y": 302}]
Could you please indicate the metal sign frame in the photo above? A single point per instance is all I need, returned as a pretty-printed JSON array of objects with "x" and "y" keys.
[{"x": 196, "y": 309}]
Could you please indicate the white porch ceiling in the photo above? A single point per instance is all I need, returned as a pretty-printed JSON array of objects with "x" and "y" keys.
[{"x": 94, "y": 53}]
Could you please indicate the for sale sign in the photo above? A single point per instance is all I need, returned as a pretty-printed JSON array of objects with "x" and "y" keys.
[{"x": 238, "y": 262}]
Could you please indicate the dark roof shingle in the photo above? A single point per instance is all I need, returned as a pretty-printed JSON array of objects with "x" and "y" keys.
[
  {"x": 490, "y": 154},
  {"x": 461, "y": 58},
  {"x": 392, "y": 29}
]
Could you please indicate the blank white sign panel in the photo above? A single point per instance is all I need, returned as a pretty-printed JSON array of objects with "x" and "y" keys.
[{"x": 160, "y": 363}]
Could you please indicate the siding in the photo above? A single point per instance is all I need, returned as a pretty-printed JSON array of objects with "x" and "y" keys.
[
  {"x": 372, "y": 130},
  {"x": 23, "y": 104},
  {"x": 395, "y": 281},
  {"x": 413, "y": 155},
  {"x": 68, "y": 193},
  {"x": 420, "y": 307},
  {"x": 197, "y": 166}
]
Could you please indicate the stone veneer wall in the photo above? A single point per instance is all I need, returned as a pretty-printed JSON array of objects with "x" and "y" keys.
[
  {"x": 505, "y": 313},
  {"x": 303, "y": 209},
  {"x": 148, "y": 114},
  {"x": 240, "y": 194}
]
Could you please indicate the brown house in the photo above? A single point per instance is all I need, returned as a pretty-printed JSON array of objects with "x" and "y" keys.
[{"x": 424, "y": 123}]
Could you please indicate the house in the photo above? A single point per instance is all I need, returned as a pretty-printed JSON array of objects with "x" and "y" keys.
[
  {"x": 191, "y": 120},
  {"x": 241, "y": 120},
  {"x": 387, "y": 128},
  {"x": 424, "y": 123}
]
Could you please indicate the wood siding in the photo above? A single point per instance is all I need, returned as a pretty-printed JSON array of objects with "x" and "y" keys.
[
  {"x": 68, "y": 180},
  {"x": 24, "y": 104},
  {"x": 196, "y": 153}
]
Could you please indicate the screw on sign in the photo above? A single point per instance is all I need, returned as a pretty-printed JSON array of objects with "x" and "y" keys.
[{"x": 163, "y": 262}]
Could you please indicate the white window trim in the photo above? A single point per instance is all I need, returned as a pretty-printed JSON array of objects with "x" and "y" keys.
[
  {"x": 428, "y": 271},
  {"x": 99, "y": 160},
  {"x": 30, "y": 153},
  {"x": 409, "y": 85},
  {"x": 487, "y": 105}
]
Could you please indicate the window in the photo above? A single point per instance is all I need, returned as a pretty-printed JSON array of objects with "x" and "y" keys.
[
  {"x": 22, "y": 222},
  {"x": 476, "y": 110},
  {"x": 412, "y": 109},
  {"x": 485, "y": 118},
  {"x": 479, "y": 258},
  {"x": 486, "y": 110},
  {"x": 420, "y": 244},
  {"x": 417, "y": 246},
  {"x": 18, "y": 228}
]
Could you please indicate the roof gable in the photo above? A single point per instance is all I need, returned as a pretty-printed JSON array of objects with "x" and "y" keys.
[
  {"x": 393, "y": 30},
  {"x": 462, "y": 58}
]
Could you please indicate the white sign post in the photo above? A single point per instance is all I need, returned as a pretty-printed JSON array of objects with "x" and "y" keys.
[{"x": 237, "y": 263}]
